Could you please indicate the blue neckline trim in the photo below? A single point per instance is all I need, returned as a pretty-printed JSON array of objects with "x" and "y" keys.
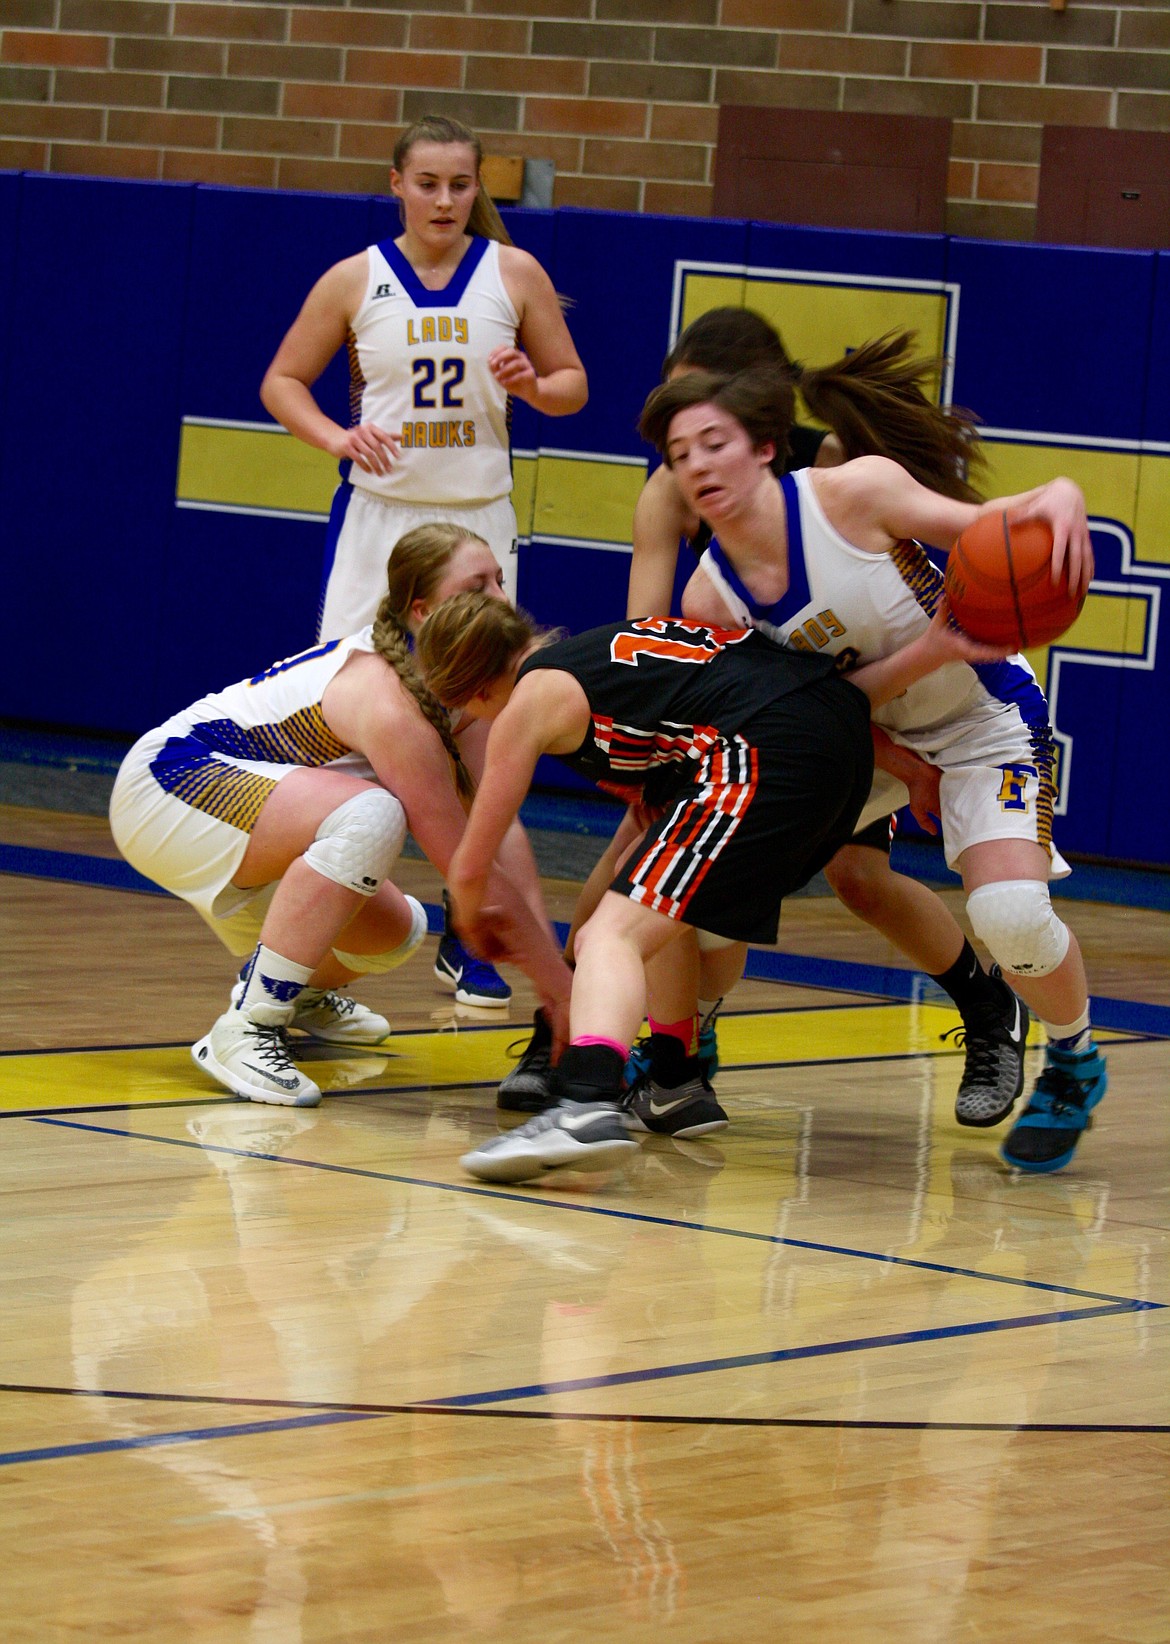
[
  {"x": 796, "y": 596},
  {"x": 451, "y": 294}
]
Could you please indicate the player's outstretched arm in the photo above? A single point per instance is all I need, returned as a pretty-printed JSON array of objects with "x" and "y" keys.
[
  {"x": 376, "y": 717},
  {"x": 515, "y": 744},
  {"x": 939, "y": 644}
]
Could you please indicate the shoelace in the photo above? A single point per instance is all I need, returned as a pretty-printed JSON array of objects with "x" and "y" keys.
[
  {"x": 270, "y": 1047},
  {"x": 339, "y": 1003},
  {"x": 523, "y": 1050},
  {"x": 981, "y": 1061}
]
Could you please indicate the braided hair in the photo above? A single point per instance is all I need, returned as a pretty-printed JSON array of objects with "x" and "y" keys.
[{"x": 414, "y": 569}]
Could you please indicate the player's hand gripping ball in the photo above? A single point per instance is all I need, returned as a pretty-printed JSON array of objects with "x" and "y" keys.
[{"x": 999, "y": 583}]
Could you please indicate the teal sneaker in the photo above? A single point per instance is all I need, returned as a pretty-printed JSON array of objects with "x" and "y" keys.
[{"x": 1046, "y": 1134}]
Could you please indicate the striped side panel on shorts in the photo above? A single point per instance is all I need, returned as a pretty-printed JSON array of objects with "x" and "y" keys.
[{"x": 703, "y": 821}]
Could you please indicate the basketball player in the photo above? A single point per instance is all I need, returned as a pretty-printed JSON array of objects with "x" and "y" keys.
[
  {"x": 756, "y": 760},
  {"x": 822, "y": 561},
  {"x": 277, "y": 808},
  {"x": 876, "y": 396},
  {"x": 442, "y": 324}
]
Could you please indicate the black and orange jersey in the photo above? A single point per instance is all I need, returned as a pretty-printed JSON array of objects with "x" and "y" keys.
[{"x": 662, "y": 691}]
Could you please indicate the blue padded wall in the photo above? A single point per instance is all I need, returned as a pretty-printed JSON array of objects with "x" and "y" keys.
[
  {"x": 128, "y": 307},
  {"x": 89, "y": 444}
]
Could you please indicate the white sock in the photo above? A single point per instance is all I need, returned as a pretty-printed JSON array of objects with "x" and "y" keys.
[
  {"x": 1069, "y": 1035},
  {"x": 272, "y": 985}
]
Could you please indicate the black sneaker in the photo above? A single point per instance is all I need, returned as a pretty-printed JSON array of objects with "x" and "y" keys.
[
  {"x": 529, "y": 1086},
  {"x": 995, "y": 1036},
  {"x": 673, "y": 1097}
]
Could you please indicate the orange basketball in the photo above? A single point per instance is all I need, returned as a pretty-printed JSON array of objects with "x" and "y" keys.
[{"x": 999, "y": 583}]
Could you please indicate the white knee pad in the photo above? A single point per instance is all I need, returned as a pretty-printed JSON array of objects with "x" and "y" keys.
[
  {"x": 376, "y": 964},
  {"x": 1016, "y": 922},
  {"x": 710, "y": 943},
  {"x": 359, "y": 842}
]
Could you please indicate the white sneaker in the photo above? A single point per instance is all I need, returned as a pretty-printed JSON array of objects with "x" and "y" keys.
[
  {"x": 583, "y": 1135},
  {"x": 253, "y": 1061},
  {"x": 334, "y": 1018}
]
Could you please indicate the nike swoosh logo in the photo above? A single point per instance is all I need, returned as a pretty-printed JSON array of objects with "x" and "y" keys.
[
  {"x": 579, "y": 1121},
  {"x": 1015, "y": 1033},
  {"x": 661, "y": 1109},
  {"x": 285, "y": 1084}
]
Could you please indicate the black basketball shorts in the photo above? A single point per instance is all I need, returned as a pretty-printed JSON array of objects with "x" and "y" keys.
[{"x": 765, "y": 810}]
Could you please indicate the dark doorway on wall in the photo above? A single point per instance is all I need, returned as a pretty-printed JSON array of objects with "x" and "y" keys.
[
  {"x": 1101, "y": 187},
  {"x": 830, "y": 170}
]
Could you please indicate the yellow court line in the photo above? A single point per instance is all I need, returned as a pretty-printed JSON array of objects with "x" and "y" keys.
[{"x": 68, "y": 1080}]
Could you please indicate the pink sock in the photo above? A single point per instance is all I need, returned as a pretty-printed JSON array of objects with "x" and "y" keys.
[
  {"x": 600, "y": 1039},
  {"x": 686, "y": 1032}
]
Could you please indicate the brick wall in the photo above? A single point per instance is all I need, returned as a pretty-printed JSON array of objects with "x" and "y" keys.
[{"x": 622, "y": 94}]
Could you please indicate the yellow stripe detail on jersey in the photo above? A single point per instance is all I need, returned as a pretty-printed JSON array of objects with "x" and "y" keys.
[
  {"x": 919, "y": 575},
  {"x": 225, "y": 791}
]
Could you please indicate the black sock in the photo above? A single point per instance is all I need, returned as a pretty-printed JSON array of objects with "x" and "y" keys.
[
  {"x": 670, "y": 1066},
  {"x": 590, "y": 1073},
  {"x": 966, "y": 981}
]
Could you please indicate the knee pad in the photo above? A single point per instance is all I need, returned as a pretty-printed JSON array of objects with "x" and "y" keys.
[
  {"x": 1016, "y": 922},
  {"x": 710, "y": 943},
  {"x": 377, "y": 964},
  {"x": 359, "y": 842}
]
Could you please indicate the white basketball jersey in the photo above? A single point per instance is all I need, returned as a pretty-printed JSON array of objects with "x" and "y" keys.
[
  {"x": 225, "y": 753},
  {"x": 418, "y": 368},
  {"x": 862, "y": 606}
]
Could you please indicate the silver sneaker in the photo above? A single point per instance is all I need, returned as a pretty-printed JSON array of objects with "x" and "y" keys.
[
  {"x": 995, "y": 1038},
  {"x": 581, "y": 1135},
  {"x": 252, "y": 1060},
  {"x": 332, "y": 1017}
]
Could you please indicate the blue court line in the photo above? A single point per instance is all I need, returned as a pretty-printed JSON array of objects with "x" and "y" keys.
[
  {"x": 764, "y": 964},
  {"x": 782, "y": 1355},
  {"x": 106, "y": 872},
  {"x": 1126, "y": 1302},
  {"x": 473, "y": 1402},
  {"x": 190, "y": 1435}
]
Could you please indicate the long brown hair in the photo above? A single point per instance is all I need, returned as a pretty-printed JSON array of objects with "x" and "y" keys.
[
  {"x": 727, "y": 340},
  {"x": 761, "y": 400},
  {"x": 875, "y": 402},
  {"x": 469, "y": 641},
  {"x": 874, "y": 399},
  {"x": 413, "y": 572},
  {"x": 437, "y": 128}
]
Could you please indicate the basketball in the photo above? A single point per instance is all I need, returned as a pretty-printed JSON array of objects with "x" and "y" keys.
[{"x": 999, "y": 583}]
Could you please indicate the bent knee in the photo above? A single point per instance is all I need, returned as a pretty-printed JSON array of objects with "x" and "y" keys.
[
  {"x": 859, "y": 877},
  {"x": 1016, "y": 922}
]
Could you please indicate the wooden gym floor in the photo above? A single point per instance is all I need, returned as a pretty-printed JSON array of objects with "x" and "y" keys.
[{"x": 276, "y": 1377}]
